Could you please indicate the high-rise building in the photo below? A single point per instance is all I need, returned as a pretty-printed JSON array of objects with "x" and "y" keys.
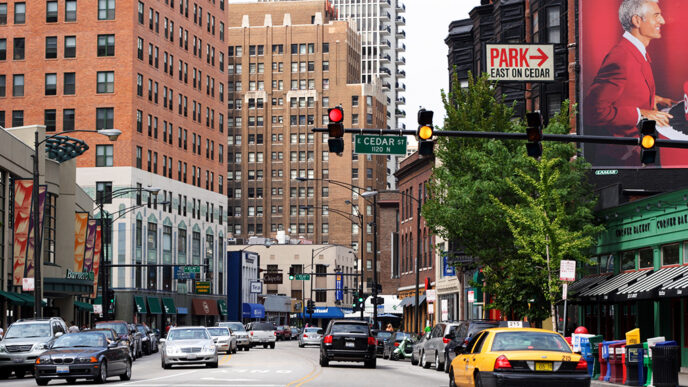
[
  {"x": 287, "y": 64},
  {"x": 154, "y": 70}
]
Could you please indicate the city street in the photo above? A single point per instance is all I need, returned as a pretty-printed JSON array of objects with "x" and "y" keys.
[{"x": 286, "y": 365}]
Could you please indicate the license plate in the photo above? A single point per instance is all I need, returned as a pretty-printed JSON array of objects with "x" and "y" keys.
[
  {"x": 191, "y": 357},
  {"x": 62, "y": 369},
  {"x": 18, "y": 360},
  {"x": 543, "y": 366},
  {"x": 350, "y": 345}
]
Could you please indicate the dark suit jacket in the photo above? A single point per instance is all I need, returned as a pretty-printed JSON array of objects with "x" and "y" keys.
[{"x": 623, "y": 84}]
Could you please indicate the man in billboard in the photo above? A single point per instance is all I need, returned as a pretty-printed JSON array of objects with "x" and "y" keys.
[{"x": 623, "y": 91}]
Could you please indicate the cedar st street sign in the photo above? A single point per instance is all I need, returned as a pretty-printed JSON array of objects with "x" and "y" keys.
[{"x": 380, "y": 145}]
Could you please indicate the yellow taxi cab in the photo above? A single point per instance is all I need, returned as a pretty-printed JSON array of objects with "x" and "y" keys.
[{"x": 512, "y": 356}]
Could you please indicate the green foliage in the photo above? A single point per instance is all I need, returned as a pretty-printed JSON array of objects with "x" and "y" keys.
[{"x": 505, "y": 207}]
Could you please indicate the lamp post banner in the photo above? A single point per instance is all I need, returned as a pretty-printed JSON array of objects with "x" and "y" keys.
[
  {"x": 28, "y": 269},
  {"x": 90, "y": 245},
  {"x": 339, "y": 285},
  {"x": 80, "y": 225},
  {"x": 23, "y": 191},
  {"x": 96, "y": 261}
]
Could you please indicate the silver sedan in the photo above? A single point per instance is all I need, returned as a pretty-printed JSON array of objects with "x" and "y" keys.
[
  {"x": 224, "y": 340},
  {"x": 310, "y": 336},
  {"x": 188, "y": 345}
]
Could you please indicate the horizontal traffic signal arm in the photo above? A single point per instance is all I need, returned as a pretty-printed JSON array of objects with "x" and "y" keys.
[{"x": 519, "y": 136}]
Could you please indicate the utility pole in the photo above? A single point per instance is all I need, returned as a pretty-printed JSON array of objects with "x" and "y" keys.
[{"x": 374, "y": 292}]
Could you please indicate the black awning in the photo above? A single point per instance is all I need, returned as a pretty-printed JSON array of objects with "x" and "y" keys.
[
  {"x": 605, "y": 289},
  {"x": 586, "y": 283},
  {"x": 676, "y": 288},
  {"x": 647, "y": 287}
]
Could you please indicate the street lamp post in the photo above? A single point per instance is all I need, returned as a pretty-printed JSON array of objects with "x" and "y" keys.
[{"x": 112, "y": 134}]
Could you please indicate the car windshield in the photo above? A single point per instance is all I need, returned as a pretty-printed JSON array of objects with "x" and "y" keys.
[
  {"x": 218, "y": 331},
  {"x": 351, "y": 328},
  {"x": 108, "y": 333},
  {"x": 481, "y": 326},
  {"x": 188, "y": 334},
  {"x": 121, "y": 329},
  {"x": 28, "y": 330},
  {"x": 383, "y": 335},
  {"x": 86, "y": 339},
  {"x": 234, "y": 326},
  {"x": 141, "y": 329},
  {"x": 262, "y": 326},
  {"x": 312, "y": 330},
  {"x": 401, "y": 336},
  {"x": 529, "y": 341}
]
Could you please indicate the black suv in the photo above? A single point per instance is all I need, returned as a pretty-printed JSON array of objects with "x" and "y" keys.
[
  {"x": 348, "y": 340},
  {"x": 461, "y": 335}
]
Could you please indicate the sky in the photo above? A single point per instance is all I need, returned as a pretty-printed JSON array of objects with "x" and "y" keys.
[{"x": 427, "y": 25}]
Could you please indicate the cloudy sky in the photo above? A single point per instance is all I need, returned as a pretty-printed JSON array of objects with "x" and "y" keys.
[{"x": 427, "y": 25}]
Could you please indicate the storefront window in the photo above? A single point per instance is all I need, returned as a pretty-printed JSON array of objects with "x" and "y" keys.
[
  {"x": 646, "y": 258},
  {"x": 670, "y": 254},
  {"x": 628, "y": 260},
  {"x": 592, "y": 267},
  {"x": 607, "y": 263}
]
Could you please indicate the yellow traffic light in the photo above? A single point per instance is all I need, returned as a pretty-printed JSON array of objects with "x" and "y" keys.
[
  {"x": 425, "y": 132},
  {"x": 647, "y": 142}
]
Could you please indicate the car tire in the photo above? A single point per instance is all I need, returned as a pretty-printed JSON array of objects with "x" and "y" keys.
[
  {"x": 246, "y": 348},
  {"x": 211, "y": 365},
  {"x": 19, "y": 373},
  {"x": 102, "y": 374},
  {"x": 438, "y": 366},
  {"x": 393, "y": 356},
  {"x": 42, "y": 381},
  {"x": 127, "y": 373},
  {"x": 234, "y": 350},
  {"x": 164, "y": 364},
  {"x": 371, "y": 363},
  {"x": 452, "y": 381},
  {"x": 71, "y": 380},
  {"x": 272, "y": 346},
  {"x": 324, "y": 362},
  {"x": 423, "y": 361},
  {"x": 477, "y": 380},
  {"x": 413, "y": 360},
  {"x": 301, "y": 345},
  {"x": 265, "y": 345}
]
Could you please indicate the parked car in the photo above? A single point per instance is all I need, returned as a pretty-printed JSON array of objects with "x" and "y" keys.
[
  {"x": 138, "y": 340},
  {"x": 380, "y": 337},
  {"x": 63, "y": 360},
  {"x": 188, "y": 345},
  {"x": 224, "y": 341},
  {"x": 24, "y": 341},
  {"x": 112, "y": 337},
  {"x": 237, "y": 330},
  {"x": 418, "y": 348},
  {"x": 295, "y": 333},
  {"x": 146, "y": 343},
  {"x": 433, "y": 349},
  {"x": 348, "y": 340},
  {"x": 154, "y": 338},
  {"x": 462, "y": 335},
  {"x": 518, "y": 356},
  {"x": 283, "y": 332},
  {"x": 261, "y": 332},
  {"x": 393, "y": 343},
  {"x": 122, "y": 329},
  {"x": 310, "y": 336}
]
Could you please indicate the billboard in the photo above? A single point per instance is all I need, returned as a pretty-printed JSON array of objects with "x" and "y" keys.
[{"x": 620, "y": 84}]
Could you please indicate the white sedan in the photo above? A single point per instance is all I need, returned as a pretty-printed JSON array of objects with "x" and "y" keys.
[
  {"x": 188, "y": 345},
  {"x": 224, "y": 340}
]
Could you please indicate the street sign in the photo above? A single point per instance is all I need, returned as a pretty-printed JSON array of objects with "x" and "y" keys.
[
  {"x": 379, "y": 145},
  {"x": 302, "y": 277},
  {"x": 28, "y": 284},
  {"x": 567, "y": 270},
  {"x": 192, "y": 269},
  {"x": 430, "y": 295},
  {"x": 202, "y": 287},
  {"x": 186, "y": 272},
  {"x": 519, "y": 62},
  {"x": 256, "y": 287},
  {"x": 97, "y": 308}
]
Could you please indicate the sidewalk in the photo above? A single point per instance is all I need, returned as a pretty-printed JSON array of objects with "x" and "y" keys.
[{"x": 682, "y": 381}]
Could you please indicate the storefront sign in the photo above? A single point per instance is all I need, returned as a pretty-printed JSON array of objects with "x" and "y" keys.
[
  {"x": 79, "y": 275},
  {"x": 520, "y": 62},
  {"x": 202, "y": 287},
  {"x": 448, "y": 268},
  {"x": 256, "y": 287},
  {"x": 272, "y": 278}
]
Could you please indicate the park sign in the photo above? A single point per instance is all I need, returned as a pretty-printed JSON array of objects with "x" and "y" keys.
[
  {"x": 519, "y": 62},
  {"x": 379, "y": 145}
]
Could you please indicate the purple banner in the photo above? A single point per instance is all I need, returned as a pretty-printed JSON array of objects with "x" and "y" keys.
[
  {"x": 28, "y": 270},
  {"x": 90, "y": 244}
]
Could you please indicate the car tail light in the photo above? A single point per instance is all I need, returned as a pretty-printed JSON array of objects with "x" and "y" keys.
[
  {"x": 502, "y": 362},
  {"x": 251, "y": 333},
  {"x": 371, "y": 340},
  {"x": 396, "y": 344},
  {"x": 446, "y": 340},
  {"x": 327, "y": 340},
  {"x": 582, "y": 365},
  {"x": 275, "y": 333},
  {"x": 305, "y": 336}
]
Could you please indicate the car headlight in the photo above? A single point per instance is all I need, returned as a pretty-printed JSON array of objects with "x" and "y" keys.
[
  {"x": 173, "y": 350},
  {"x": 208, "y": 348},
  {"x": 43, "y": 360},
  {"x": 3, "y": 349},
  {"x": 39, "y": 347}
]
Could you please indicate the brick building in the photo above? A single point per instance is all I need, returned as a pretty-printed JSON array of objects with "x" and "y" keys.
[
  {"x": 154, "y": 70},
  {"x": 287, "y": 63}
]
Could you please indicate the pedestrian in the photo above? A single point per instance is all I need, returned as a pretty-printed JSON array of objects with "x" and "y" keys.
[
  {"x": 389, "y": 328},
  {"x": 73, "y": 328}
]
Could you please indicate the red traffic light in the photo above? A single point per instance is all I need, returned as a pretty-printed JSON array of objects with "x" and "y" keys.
[{"x": 336, "y": 114}]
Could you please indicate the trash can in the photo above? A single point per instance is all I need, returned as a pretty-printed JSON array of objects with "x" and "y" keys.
[
  {"x": 635, "y": 375},
  {"x": 665, "y": 364},
  {"x": 616, "y": 365},
  {"x": 650, "y": 344},
  {"x": 605, "y": 360},
  {"x": 586, "y": 353},
  {"x": 595, "y": 344}
]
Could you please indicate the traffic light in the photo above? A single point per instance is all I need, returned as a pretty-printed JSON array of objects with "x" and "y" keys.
[
  {"x": 310, "y": 308},
  {"x": 335, "y": 129},
  {"x": 291, "y": 273},
  {"x": 534, "y": 133},
  {"x": 356, "y": 303},
  {"x": 424, "y": 132},
  {"x": 648, "y": 137}
]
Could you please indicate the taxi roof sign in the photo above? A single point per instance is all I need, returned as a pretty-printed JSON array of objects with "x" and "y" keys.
[{"x": 514, "y": 324}]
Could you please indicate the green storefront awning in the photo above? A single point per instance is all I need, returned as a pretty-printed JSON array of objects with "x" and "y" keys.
[
  {"x": 222, "y": 305},
  {"x": 140, "y": 305},
  {"x": 14, "y": 298},
  {"x": 29, "y": 298},
  {"x": 83, "y": 306},
  {"x": 154, "y": 305},
  {"x": 168, "y": 304}
]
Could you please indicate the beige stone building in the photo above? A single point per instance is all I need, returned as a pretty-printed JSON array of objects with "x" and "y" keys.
[{"x": 287, "y": 64}]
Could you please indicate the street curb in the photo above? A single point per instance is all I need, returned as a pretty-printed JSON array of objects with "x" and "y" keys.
[{"x": 597, "y": 383}]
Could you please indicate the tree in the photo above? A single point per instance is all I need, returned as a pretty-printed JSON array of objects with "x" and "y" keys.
[{"x": 506, "y": 208}]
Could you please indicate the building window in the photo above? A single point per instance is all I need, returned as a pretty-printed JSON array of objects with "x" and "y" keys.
[
  {"x": 19, "y": 13},
  {"x": 104, "y": 192},
  {"x": 50, "y": 84},
  {"x": 69, "y": 83},
  {"x": 17, "y": 118},
  {"x": 49, "y": 118},
  {"x": 139, "y": 157},
  {"x": 68, "y": 119},
  {"x": 106, "y": 82},
  {"x": 106, "y": 45},
  {"x": 70, "y": 10},
  {"x": 104, "y": 154},
  {"x": 51, "y": 12},
  {"x": 18, "y": 85},
  {"x": 105, "y": 118},
  {"x": 3, "y": 13},
  {"x": 70, "y": 47},
  {"x": 51, "y": 47},
  {"x": 670, "y": 254},
  {"x": 3, "y": 86},
  {"x": 3, "y": 49},
  {"x": 18, "y": 53},
  {"x": 106, "y": 9},
  {"x": 553, "y": 25}
]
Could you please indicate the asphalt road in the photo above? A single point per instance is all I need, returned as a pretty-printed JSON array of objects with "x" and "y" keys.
[{"x": 286, "y": 365}]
